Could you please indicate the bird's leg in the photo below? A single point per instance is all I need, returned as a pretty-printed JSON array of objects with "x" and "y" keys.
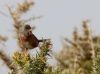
[{"x": 25, "y": 51}]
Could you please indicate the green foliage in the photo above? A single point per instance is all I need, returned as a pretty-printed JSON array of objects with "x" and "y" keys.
[
  {"x": 97, "y": 66},
  {"x": 25, "y": 64}
]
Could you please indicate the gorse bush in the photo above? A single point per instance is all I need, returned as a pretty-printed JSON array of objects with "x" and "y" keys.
[
  {"x": 25, "y": 64},
  {"x": 80, "y": 53}
]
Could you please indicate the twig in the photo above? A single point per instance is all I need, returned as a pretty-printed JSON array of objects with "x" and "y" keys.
[{"x": 6, "y": 60}]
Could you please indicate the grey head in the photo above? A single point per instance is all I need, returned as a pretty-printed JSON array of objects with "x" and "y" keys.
[{"x": 27, "y": 30}]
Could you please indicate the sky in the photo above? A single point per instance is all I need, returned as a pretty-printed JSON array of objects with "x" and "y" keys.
[{"x": 59, "y": 19}]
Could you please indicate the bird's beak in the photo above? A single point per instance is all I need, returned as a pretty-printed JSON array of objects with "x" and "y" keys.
[{"x": 30, "y": 30}]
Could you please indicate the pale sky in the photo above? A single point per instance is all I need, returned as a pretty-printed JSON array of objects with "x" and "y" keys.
[{"x": 59, "y": 19}]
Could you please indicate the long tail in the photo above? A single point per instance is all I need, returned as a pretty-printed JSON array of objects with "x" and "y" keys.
[{"x": 41, "y": 40}]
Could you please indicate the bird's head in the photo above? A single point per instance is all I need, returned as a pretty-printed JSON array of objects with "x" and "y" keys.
[{"x": 28, "y": 30}]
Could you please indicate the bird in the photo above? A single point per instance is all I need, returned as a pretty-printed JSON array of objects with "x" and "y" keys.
[{"x": 28, "y": 39}]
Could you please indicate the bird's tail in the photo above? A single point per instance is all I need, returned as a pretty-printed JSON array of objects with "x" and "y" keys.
[{"x": 43, "y": 40}]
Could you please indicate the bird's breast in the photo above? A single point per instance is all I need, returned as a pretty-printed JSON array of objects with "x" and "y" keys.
[{"x": 28, "y": 45}]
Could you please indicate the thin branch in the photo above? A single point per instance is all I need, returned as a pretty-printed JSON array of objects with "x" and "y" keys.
[{"x": 6, "y": 60}]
